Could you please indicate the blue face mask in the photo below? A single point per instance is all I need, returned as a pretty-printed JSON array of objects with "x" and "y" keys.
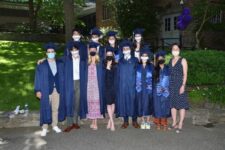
[{"x": 51, "y": 55}]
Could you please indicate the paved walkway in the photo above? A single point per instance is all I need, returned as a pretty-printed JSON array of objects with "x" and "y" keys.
[{"x": 192, "y": 138}]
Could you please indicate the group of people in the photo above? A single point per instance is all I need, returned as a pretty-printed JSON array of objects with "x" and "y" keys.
[{"x": 125, "y": 79}]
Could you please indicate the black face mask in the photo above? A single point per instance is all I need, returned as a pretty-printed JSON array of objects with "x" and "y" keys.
[
  {"x": 162, "y": 61},
  {"x": 109, "y": 58},
  {"x": 92, "y": 53}
]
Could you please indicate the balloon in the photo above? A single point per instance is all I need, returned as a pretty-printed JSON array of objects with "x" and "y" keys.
[
  {"x": 184, "y": 19},
  {"x": 180, "y": 25},
  {"x": 187, "y": 19},
  {"x": 186, "y": 11}
]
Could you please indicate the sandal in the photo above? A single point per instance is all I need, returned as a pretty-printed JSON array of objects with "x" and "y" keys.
[{"x": 171, "y": 127}]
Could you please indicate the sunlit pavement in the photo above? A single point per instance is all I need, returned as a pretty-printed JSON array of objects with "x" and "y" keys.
[{"x": 191, "y": 138}]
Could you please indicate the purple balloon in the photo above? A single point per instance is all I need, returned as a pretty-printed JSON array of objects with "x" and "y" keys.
[
  {"x": 184, "y": 19},
  {"x": 186, "y": 11},
  {"x": 187, "y": 19},
  {"x": 181, "y": 25}
]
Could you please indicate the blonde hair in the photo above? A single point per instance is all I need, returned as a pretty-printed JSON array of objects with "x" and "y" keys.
[{"x": 97, "y": 59}]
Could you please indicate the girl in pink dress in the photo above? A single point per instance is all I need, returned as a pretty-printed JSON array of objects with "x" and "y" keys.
[{"x": 93, "y": 90}]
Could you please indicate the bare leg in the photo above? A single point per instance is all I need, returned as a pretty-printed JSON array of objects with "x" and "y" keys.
[
  {"x": 182, "y": 115},
  {"x": 174, "y": 116},
  {"x": 148, "y": 119},
  {"x": 109, "y": 109},
  {"x": 111, "y": 117},
  {"x": 96, "y": 124},
  {"x": 92, "y": 124}
]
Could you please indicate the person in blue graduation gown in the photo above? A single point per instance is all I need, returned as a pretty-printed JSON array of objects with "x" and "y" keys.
[
  {"x": 95, "y": 37},
  {"x": 138, "y": 42},
  {"x": 112, "y": 42},
  {"x": 74, "y": 85},
  {"x": 126, "y": 104},
  {"x": 76, "y": 37},
  {"x": 161, "y": 92},
  {"x": 49, "y": 88},
  {"x": 144, "y": 90},
  {"x": 94, "y": 104}
]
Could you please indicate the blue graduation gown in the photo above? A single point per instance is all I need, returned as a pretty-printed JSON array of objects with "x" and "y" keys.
[
  {"x": 83, "y": 51},
  {"x": 161, "y": 95},
  {"x": 69, "y": 85},
  {"x": 126, "y": 104},
  {"x": 144, "y": 90},
  {"x": 101, "y": 52},
  {"x": 100, "y": 77},
  {"x": 41, "y": 84}
]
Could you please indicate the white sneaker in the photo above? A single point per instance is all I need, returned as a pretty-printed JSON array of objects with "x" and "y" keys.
[
  {"x": 143, "y": 125},
  {"x": 147, "y": 126},
  {"x": 44, "y": 132},
  {"x": 57, "y": 129}
]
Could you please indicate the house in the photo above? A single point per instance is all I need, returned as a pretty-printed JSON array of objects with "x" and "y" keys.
[{"x": 168, "y": 31}]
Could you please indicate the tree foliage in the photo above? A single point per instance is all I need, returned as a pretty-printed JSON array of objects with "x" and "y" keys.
[
  {"x": 203, "y": 12},
  {"x": 130, "y": 14}
]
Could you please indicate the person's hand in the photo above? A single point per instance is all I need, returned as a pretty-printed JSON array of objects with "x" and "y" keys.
[
  {"x": 182, "y": 89},
  {"x": 40, "y": 61},
  {"x": 38, "y": 95},
  {"x": 109, "y": 64}
]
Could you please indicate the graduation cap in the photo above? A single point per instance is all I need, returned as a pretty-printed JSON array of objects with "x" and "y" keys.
[
  {"x": 160, "y": 53},
  {"x": 126, "y": 43},
  {"x": 50, "y": 45},
  {"x": 111, "y": 33},
  {"x": 93, "y": 45},
  {"x": 95, "y": 31},
  {"x": 110, "y": 49},
  {"x": 146, "y": 50},
  {"x": 138, "y": 31}
]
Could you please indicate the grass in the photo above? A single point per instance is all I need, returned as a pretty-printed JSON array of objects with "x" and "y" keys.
[
  {"x": 18, "y": 61},
  {"x": 17, "y": 64}
]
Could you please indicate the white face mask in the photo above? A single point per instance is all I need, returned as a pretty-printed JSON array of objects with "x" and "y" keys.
[
  {"x": 126, "y": 53},
  {"x": 112, "y": 42},
  {"x": 75, "y": 53},
  {"x": 175, "y": 53},
  {"x": 138, "y": 39},
  {"x": 144, "y": 58},
  {"x": 95, "y": 40},
  {"x": 76, "y": 37}
]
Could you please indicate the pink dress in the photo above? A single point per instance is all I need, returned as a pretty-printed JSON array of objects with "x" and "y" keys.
[{"x": 93, "y": 98}]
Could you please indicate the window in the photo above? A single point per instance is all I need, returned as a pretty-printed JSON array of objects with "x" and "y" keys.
[
  {"x": 217, "y": 18},
  {"x": 175, "y": 23},
  {"x": 106, "y": 13},
  {"x": 167, "y": 24}
]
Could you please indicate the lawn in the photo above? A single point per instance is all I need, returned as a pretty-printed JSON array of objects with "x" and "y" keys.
[
  {"x": 18, "y": 59},
  {"x": 17, "y": 64}
]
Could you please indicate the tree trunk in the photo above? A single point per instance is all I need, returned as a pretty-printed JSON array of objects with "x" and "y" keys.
[
  {"x": 33, "y": 12},
  {"x": 31, "y": 15},
  {"x": 69, "y": 17}
]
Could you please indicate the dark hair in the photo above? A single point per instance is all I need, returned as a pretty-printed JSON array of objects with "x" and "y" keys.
[
  {"x": 157, "y": 71},
  {"x": 116, "y": 42},
  {"x": 178, "y": 45},
  {"x": 113, "y": 62},
  {"x": 74, "y": 46},
  {"x": 148, "y": 61},
  {"x": 135, "y": 44},
  {"x": 76, "y": 29}
]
